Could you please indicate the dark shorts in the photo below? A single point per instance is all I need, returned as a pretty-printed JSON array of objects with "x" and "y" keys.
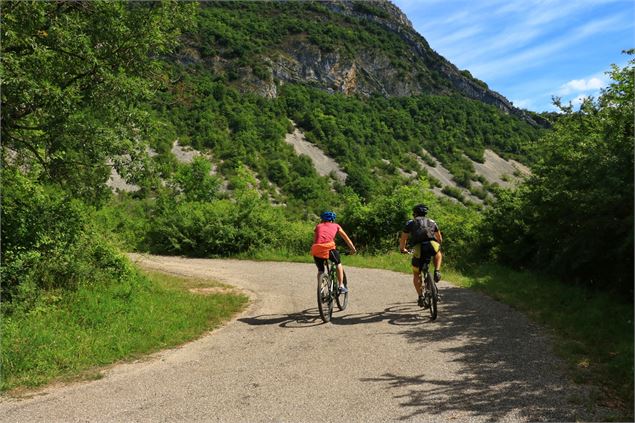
[{"x": 334, "y": 256}]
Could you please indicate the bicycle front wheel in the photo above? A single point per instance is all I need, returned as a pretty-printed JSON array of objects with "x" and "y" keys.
[
  {"x": 325, "y": 297},
  {"x": 342, "y": 299},
  {"x": 434, "y": 296}
]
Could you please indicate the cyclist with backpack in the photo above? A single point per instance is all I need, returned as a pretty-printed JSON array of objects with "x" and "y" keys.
[
  {"x": 323, "y": 247},
  {"x": 424, "y": 236}
]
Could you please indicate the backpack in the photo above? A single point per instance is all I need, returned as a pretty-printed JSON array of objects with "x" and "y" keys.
[{"x": 422, "y": 230}]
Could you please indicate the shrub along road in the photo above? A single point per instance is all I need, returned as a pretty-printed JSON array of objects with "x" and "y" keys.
[{"x": 381, "y": 359}]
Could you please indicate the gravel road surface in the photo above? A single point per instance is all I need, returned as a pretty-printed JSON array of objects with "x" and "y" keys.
[{"x": 380, "y": 360}]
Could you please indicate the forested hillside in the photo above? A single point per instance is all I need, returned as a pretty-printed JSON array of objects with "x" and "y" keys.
[
  {"x": 121, "y": 98},
  {"x": 92, "y": 86}
]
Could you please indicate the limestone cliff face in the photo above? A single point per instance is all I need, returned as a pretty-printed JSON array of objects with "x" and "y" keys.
[
  {"x": 368, "y": 70},
  {"x": 364, "y": 74},
  {"x": 371, "y": 72}
]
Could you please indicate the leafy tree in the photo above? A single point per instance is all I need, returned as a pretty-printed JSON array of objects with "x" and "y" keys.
[
  {"x": 73, "y": 75},
  {"x": 196, "y": 182},
  {"x": 574, "y": 216},
  {"x": 49, "y": 242}
]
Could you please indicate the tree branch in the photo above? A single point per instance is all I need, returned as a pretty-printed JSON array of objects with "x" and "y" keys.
[
  {"x": 78, "y": 77},
  {"x": 29, "y": 128},
  {"x": 33, "y": 150}
]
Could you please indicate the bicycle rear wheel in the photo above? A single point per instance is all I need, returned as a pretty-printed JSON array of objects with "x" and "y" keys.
[
  {"x": 325, "y": 297},
  {"x": 434, "y": 296},
  {"x": 342, "y": 299}
]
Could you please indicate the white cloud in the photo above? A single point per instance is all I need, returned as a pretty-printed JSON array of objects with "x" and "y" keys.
[
  {"x": 539, "y": 54},
  {"x": 581, "y": 86},
  {"x": 524, "y": 103},
  {"x": 578, "y": 100},
  {"x": 529, "y": 50},
  {"x": 460, "y": 35}
]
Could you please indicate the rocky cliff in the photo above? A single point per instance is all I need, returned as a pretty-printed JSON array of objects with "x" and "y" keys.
[{"x": 402, "y": 64}]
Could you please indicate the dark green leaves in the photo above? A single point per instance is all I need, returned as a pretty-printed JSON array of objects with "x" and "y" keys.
[
  {"x": 74, "y": 74},
  {"x": 574, "y": 217}
]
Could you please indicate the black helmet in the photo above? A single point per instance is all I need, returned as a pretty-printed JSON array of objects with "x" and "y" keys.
[{"x": 420, "y": 210}]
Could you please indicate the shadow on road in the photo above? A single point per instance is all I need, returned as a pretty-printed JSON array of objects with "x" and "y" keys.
[
  {"x": 504, "y": 365},
  {"x": 396, "y": 314},
  {"x": 503, "y": 369},
  {"x": 401, "y": 314},
  {"x": 305, "y": 318}
]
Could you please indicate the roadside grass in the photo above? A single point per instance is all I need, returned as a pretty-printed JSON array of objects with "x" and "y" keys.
[
  {"x": 592, "y": 330},
  {"x": 279, "y": 254},
  {"x": 69, "y": 335}
]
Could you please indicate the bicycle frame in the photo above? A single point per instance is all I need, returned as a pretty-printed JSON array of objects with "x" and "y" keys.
[
  {"x": 332, "y": 272},
  {"x": 329, "y": 292},
  {"x": 429, "y": 290}
]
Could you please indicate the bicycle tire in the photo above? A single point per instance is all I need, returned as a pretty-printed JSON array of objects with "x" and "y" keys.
[
  {"x": 434, "y": 296},
  {"x": 325, "y": 297},
  {"x": 342, "y": 299}
]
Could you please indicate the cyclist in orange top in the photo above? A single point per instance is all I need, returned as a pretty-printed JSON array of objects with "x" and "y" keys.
[{"x": 323, "y": 247}]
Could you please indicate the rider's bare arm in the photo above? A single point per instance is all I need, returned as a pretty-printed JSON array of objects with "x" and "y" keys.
[
  {"x": 347, "y": 240},
  {"x": 402, "y": 242},
  {"x": 438, "y": 237}
]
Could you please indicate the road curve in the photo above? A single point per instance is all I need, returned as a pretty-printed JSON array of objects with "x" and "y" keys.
[{"x": 381, "y": 359}]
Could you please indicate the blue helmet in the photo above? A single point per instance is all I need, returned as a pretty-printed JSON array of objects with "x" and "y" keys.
[{"x": 328, "y": 216}]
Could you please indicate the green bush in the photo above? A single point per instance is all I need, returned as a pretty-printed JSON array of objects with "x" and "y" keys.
[
  {"x": 376, "y": 226},
  {"x": 49, "y": 241},
  {"x": 223, "y": 228},
  {"x": 453, "y": 192},
  {"x": 574, "y": 217}
]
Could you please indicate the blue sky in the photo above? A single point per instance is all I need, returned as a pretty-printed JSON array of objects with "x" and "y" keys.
[{"x": 529, "y": 50}]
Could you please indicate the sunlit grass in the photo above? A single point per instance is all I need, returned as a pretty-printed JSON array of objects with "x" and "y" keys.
[{"x": 70, "y": 335}]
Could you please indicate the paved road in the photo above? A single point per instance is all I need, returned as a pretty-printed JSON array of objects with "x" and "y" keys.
[{"x": 379, "y": 360}]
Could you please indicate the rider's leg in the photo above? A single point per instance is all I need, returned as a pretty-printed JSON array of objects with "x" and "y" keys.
[
  {"x": 319, "y": 262},
  {"x": 416, "y": 280},
  {"x": 340, "y": 275}
]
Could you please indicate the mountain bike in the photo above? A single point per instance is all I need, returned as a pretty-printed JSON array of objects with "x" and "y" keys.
[
  {"x": 430, "y": 292},
  {"x": 328, "y": 292}
]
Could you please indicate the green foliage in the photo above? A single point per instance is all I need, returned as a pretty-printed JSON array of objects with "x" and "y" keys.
[
  {"x": 359, "y": 133},
  {"x": 574, "y": 216},
  {"x": 376, "y": 226},
  {"x": 126, "y": 222},
  {"x": 223, "y": 228},
  {"x": 195, "y": 182},
  {"x": 73, "y": 75},
  {"x": 240, "y": 128},
  {"x": 453, "y": 192},
  {"x": 67, "y": 333},
  {"x": 49, "y": 241},
  {"x": 368, "y": 8}
]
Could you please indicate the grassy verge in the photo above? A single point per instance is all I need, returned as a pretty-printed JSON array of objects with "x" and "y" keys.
[
  {"x": 593, "y": 331},
  {"x": 69, "y": 334}
]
